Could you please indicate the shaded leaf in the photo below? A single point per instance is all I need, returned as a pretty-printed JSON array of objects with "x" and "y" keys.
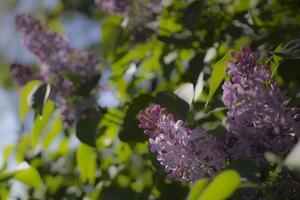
[
  {"x": 192, "y": 13},
  {"x": 291, "y": 50},
  {"x": 247, "y": 169},
  {"x": 74, "y": 77},
  {"x": 175, "y": 105},
  {"x": 130, "y": 130},
  {"x": 38, "y": 98},
  {"x": 87, "y": 128},
  {"x": 88, "y": 85}
]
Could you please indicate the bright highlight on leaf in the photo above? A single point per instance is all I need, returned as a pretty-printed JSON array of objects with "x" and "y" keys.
[
  {"x": 185, "y": 92},
  {"x": 218, "y": 74}
]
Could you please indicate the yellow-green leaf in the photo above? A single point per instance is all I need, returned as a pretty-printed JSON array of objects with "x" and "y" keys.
[
  {"x": 86, "y": 161},
  {"x": 218, "y": 74},
  {"x": 41, "y": 122},
  {"x": 55, "y": 129},
  {"x": 24, "y": 105},
  {"x": 29, "y": 176},
  {"x": 222, "y": 186},
  {"x": 197, "y": 188}
]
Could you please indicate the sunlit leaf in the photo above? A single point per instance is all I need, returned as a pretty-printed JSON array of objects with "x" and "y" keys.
[
  {"x": 197, "y": 189},
  {"x": 86, "y": 161},
  {"x": 218, "y": 74},
  {"x": 292, "y": 161},
  {"x": 29, "y": 176},
  {"x": 41, "y": 122},
  {"x": 24, "y": 105},
  {"x": 55, "y": 128},
  {"x": 199, "y": 86},
  {"x": 185, "y": 92},
  {"x": 222, "y": 186}
]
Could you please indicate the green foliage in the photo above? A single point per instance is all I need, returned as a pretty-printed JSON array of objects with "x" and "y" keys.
[
  {"x": 24, "y": 102},
  {"x": 291, "y": 50},
  {"x": 38, "y": 98},
  {"x": 197, "y": 189},
  {"x": 178, "y": 67},
  {"x": 29, "y": 176},
  {"x": 87, "y": 128},
  {"x": 222, "y": 186},
  {"x": 86, "y": 157},
  {"x": 218, "y": 74}
]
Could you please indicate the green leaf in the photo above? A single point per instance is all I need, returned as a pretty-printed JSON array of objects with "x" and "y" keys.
[
  {"x": 24, "y": 105},
  {"x": 74, "y": 77},
  {"x": 55, "y": 129},
  {"x": 88, "y": 85},
  {"x": 38, "y": 98},
  {"x": 199, "y": 86},
  {"x": 291, "y": 50},
  {"x": 29, "y": 176},
  {"x": 87, "y": 128},
  {"x": 218, "y": 74},
  {"x": 222, "y": 186},
  {"x": 197, "y": 189},
  {"x": 111, "y": 33},
  {"x": 185, "y": 92},
  {"x": 174, "y": 104},
  {"x": 191, "y": 14},
  {"x": 292, "y": 161},
  {"x": 86, "y": 161},
  {"x": 40, "y": 122},
  {"x": 130, "y": 130},
  {"x": 247, "y": 169}
]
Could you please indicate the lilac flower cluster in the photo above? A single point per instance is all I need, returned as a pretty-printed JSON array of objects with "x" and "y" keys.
[
  {"x": 138, "y": 12},
  {"x": 56, "y": 57},
  {"x": 115, "y": 6},
  {"x": 22, "y": 74},
  {"x": 257, "y": 118},
  {"x": 187, "y": 154}
]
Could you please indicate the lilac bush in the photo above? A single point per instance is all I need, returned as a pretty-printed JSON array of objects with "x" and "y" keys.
[
  {"x": 56, "y": 57},
  {"x": 257, "y": 116},
  {"x": 186, "y": 154},
  {"x": 258, "y": 119}
]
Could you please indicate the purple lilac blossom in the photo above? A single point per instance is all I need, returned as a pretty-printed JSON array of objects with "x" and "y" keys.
[
  {"x": 186, "y": 154},
  {"x": 55, "y": 56},
  {"x": 22, "y": 74},
  {"x": 115, "y": 6},
  {"x": 257, "y": 118},
  {"x": 139, "y": 13}
]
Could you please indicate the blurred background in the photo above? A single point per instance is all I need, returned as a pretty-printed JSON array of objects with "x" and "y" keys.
[{"x": 142, "y": 61}]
